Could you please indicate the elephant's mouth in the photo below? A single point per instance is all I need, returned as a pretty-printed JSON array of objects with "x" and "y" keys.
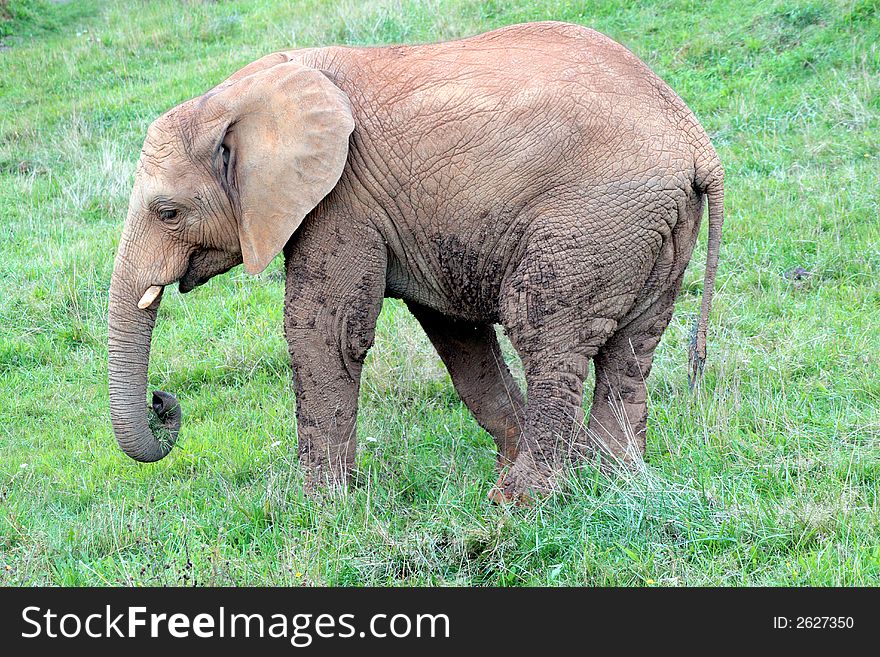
[
  {"x": 185, "y": 286},
  {"x": 205, "y": 264},
  {"x": 191, "y": 280}
]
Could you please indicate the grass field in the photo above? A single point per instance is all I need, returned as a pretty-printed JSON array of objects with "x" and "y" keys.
[{"x": 768, "y": 475}]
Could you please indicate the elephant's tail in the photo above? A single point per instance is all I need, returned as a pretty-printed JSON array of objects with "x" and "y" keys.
[{"x": 710, "y": 181}]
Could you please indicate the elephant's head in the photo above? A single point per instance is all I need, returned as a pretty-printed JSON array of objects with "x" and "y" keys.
[{"x": 223, "y": 179}]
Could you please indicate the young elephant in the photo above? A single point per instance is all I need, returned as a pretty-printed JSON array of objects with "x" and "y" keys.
[{"x": 538, "y": 176}]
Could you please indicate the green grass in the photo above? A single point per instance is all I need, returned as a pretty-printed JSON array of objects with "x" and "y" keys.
[{"x": 768, "y": 476}]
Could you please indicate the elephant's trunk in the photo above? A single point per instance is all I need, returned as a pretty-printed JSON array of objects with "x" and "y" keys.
[{"x": 144, "y": 433}]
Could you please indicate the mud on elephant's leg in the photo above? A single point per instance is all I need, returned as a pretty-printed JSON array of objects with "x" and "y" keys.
[
  {"x": 331, "y": 308},
  {"x": 618, "y": 417},
  {"x": 481, "y": 377},
  {"x": 554, "y": 422}
]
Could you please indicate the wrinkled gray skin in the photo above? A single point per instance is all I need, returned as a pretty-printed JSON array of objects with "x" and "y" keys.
[{"x": 539, "y": 176}]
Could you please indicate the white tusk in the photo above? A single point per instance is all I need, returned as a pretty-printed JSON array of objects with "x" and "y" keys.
[{"x": 149, "y": 296}]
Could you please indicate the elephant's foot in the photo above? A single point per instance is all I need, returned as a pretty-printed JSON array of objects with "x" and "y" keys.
[
  {"x": 318, "y": 482},
  {"x": 324, "y": 474},
  {"x": 501, "y": 495},
  {"x": 523, "y": 483}
]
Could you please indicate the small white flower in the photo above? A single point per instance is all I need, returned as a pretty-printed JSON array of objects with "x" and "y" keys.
[
  {"x": 370, "y": 439},
  {"x": 23, "y": 466},
  {"x": 275, "y": 444}
]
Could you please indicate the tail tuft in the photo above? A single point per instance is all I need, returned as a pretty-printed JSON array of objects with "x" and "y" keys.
[{"x": 696, "y": 357}]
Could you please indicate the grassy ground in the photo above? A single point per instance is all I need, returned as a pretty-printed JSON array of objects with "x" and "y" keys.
[{"x": 769, "y": 475}]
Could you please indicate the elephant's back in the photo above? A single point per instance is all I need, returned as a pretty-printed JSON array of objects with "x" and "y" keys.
[
  {"x": 545, "y": 59},
  {"x": 557, "y": 83}
]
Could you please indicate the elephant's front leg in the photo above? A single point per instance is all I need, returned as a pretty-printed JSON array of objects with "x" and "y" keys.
[{"x": 335, "y": 287}]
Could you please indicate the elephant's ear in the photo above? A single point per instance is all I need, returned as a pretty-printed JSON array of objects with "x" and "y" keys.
[{"x": 286, "y": 131}]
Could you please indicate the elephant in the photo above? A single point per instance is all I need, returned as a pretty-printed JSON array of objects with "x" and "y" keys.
[{"x": 538, "y": 176}]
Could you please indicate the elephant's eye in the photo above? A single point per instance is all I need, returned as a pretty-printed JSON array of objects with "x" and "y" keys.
[{"x": 168, "y": 215}]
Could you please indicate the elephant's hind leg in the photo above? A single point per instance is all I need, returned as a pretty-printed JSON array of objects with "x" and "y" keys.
[
  {"x": 618, "y": 417},
  {"x": 553, "y": 430},
  {"x": 481, "y": 377},
  {"x": 556, "y": 348}
]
